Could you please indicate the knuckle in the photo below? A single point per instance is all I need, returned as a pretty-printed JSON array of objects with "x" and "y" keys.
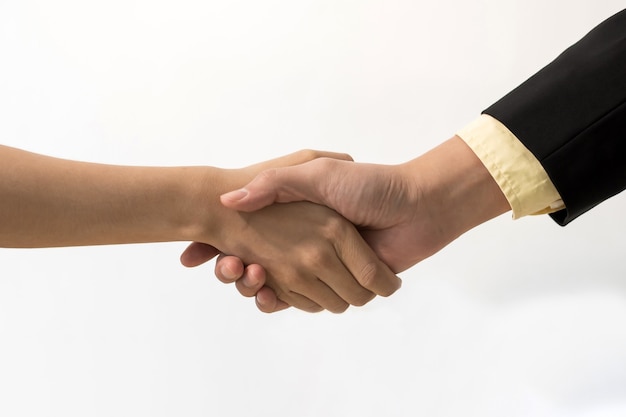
[
  {"x": 373, "y": 276},
  {"x": 368, "y": 274},
  {"x": 316, "y": 259},
  {"x": 334, "y": 227},
  {"x": 267, "y": 175},
  {"x": 325, "y": 164}
]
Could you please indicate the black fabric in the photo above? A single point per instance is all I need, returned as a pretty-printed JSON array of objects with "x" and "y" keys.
[{"x": 572, "y": 116}]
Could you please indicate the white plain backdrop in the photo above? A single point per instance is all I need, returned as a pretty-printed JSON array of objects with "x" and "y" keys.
[{"x": 516, "y": 318}]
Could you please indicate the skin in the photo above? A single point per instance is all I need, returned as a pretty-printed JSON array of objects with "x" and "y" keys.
[
  {"x": 313, "y": 258},
  {"x": 405, "y": 212}
]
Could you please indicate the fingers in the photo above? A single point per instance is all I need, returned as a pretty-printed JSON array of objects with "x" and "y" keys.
[
  {"x": 327, "y": 267},
  {"x": 229, "y": 269},
  {"x": 250, "y": 282},
  {"x": 267, "y": 302},
  {"x": 370, "y": 272},
  {"x": 306, "y": 155},
  {"x": 197, "y": 254},
  {"x": 298, "y": 158},
  {"x": 289, "y": 178},
  {"x": 278, "y": 185},
  {"x": 341, "y": 282},
  {"x": 312, "y": 295}
]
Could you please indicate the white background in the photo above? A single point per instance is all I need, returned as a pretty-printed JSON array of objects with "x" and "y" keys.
[{"x": 516, "y": 318}]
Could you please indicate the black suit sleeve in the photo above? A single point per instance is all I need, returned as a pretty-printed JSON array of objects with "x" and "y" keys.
[{"x": 572, "y": 116}]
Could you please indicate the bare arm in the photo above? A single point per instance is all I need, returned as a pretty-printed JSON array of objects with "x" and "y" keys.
[
  {"x": 48, "y": 201},
  {"x": 313, "y": 257}
]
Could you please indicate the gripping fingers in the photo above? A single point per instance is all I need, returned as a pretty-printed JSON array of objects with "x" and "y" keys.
[
  {"x": 252, "y": 281},
  {"x": 310, "y": 294},
  {"x": 299, "y": 157},
  {"x": 229, "y": 269},
  {"x": 334, "y": 273},
  {"x": 267, "y": 302},
  {"x": 365, "y": 266},
  {"x": 300, "y": 302},
  {"x": 197, "y": 253}
]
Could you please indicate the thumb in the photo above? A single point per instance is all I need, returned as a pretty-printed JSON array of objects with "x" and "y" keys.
[
  {"x": 277, "y": 185},
  {"x": 198, "y": 253}
]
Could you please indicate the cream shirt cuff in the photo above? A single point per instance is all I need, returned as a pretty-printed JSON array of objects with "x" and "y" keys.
[{"x": 519, "y": 174}]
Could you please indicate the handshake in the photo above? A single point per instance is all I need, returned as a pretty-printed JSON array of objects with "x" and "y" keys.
[
  {"x": 346, "y": 228},
  {"x": 312, "y": 230},
  {"x": 315, "y": 230}
]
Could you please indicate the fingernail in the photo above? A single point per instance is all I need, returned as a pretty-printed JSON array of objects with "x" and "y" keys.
[
  {"x": 236, "y": 195},
  {"x": 250, "y": 282},
  {"x": 228, "y": 273}
]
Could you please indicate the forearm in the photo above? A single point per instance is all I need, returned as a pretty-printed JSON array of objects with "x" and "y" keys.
[{"x": 47, "y": 201}]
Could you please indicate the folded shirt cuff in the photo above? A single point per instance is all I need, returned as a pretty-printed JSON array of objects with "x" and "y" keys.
[{"x": 515, "y": 169}]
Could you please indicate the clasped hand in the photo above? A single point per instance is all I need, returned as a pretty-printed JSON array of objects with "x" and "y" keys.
[
  {"x": 313, "y": 258},
  {"x": 405, "y": 212}
]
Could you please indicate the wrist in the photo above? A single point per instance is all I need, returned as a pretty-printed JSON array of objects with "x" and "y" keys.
[
  {"x": 457, "y": 189},
  {"x": 200, "y": 212},
  {"x": 203, "y": 218}
]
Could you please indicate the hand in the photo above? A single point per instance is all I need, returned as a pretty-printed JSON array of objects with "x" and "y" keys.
[
  {"x": 197, "y": 253},
  {"x": 382, "y": 200},
  {"x": 353, "y": 190},
  {"x": 313, "y": 258},
  {"x": 405, "y": 212}
]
